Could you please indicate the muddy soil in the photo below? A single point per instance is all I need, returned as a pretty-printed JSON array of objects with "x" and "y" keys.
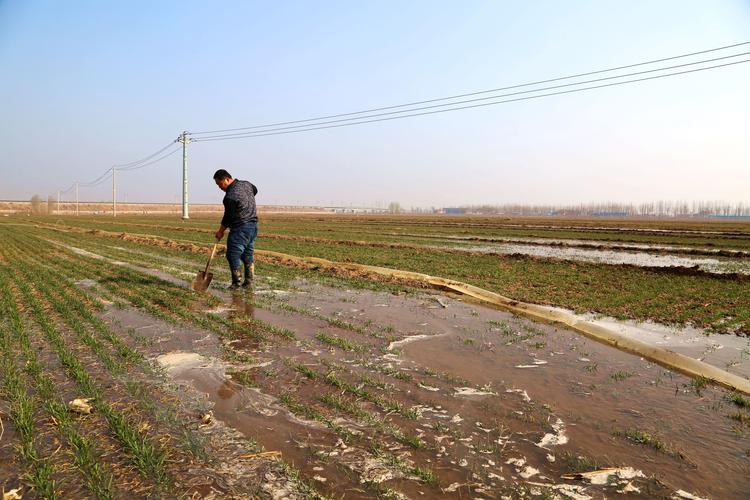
[
  {"x": 500, "y": 405},
  {"x": 600, "y": 391},
  {"x": 10, "y": 473},
  {"x": 505, "y": 406}
]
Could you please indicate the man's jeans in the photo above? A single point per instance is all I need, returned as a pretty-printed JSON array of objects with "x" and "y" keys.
[{"x": 240, "y": 243}]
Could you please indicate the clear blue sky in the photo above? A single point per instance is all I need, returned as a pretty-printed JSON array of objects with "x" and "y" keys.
[{"x": 86, "y": 84}]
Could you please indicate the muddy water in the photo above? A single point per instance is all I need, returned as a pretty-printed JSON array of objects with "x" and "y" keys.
[
  {"x": 597, "y": 244},
  {"x": 728, "y": 352},
  {"x": 537, "y": 392},
  {"x": 597, "y": 391},
  {"x": 529, "y": 395},
  {"x": 600, "y": 256},
  {"x": 194, "y": 358}
]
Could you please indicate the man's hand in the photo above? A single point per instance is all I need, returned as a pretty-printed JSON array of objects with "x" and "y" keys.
[{"x": 220, "y": 233}]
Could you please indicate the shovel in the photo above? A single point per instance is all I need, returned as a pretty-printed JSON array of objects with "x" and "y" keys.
[{"x": 203, "y": 279}]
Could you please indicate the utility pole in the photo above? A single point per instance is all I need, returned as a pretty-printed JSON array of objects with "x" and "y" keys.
[
  {"x": 58, "y": 202},
  {"x": 76, "y": 198},
  {"x": 114, "y": 197},
  {"x": 185, "y": 140}
]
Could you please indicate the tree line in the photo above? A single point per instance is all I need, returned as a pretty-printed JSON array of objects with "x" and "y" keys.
[{"x": 661, "y": 208}]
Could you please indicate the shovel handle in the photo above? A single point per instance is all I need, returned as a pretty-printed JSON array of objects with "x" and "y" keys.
[{"x": 211, "y": 257}]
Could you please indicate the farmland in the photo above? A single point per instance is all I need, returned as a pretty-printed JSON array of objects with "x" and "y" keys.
[{"x": 321, "y": 382}]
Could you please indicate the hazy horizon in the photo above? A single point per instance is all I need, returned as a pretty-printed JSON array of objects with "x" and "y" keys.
[{"x": 92, "y": 85}]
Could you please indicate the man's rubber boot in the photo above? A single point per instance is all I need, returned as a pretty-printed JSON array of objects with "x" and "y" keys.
[
  {"x": 235, "y": 279},
  {"x": 249, "y": 275}
]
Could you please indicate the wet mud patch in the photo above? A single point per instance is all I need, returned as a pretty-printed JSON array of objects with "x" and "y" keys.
[
  {"x": 11, "y": 471},
  {"x": 598, "y": 395},
  {"x": 728, "y": 352},
  {"x": 602, "y": 395},
  {"x": 220, "y": 384},
  {"x": 473, "y": 395},
  {"x": 593, "y": 244},
  {"x": 710, "y": 265}
]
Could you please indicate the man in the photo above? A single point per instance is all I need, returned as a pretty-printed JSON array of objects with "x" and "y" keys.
[{"x": 241, "y": 217}]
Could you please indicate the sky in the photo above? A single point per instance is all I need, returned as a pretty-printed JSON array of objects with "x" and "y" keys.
[{"x": 88, "y": 84}]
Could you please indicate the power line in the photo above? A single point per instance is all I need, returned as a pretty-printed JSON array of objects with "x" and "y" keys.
[
  {"x": 102, "y": 181},
  {"x": 119, "y": 169},
  {"x": 480, "y": 98},
  {"x": 416, "y": 108},
  {"x": 570, "y": 91},
  {"x": 98, "y": 180},
  {"x": 108, "y": 173},
  {"x": 457, "y": 96},
  {"x": 134, "y": 163}
]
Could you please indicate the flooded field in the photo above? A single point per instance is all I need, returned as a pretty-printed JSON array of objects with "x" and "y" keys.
[
  {"x": 641, "y": 258},
  {"x": 323, "y": 384}
]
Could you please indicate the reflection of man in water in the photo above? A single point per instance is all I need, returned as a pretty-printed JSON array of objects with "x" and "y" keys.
[
  {"x": 241, "y": 218},
  {"x": 243, "y": 306},
  {"x": 226, "y": 390}
]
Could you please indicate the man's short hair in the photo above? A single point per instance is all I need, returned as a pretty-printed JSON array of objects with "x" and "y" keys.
[{"x": 221, "y": 174}]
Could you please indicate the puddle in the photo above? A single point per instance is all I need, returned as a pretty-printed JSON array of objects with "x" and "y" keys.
[
  {"x": 408, "y": 340},
  {"x": 176, "y": 363},
  {"x": 247, "y": 410},
  {"x": 573, "y": 376},
  {"x": 596, "y": 406},
  {"x": 457, "y": 374},
  {"x": 728, "y": 352},
  {"x": 470, "y": 391},
  {"x": 86, "y": 283},
  {"x": 640, "y": 259},
  {"x": 590, "y": 244}
]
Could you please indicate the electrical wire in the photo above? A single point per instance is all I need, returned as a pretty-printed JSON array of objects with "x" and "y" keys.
[
  {"x": 103, "y": 180},
  {"x": 134, "y": 163},
  {"x": 570, "y": 91},
  {"x": 457, "y": 96},
  {"x": 487, "y": 97},
  {"x": 107, "y": 173},
  {"x": 149, "y": 163},
  {"x": 367, "y": 116}
]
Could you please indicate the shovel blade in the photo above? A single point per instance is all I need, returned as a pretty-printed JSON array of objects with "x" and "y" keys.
[{"x": 202, "y": 280}]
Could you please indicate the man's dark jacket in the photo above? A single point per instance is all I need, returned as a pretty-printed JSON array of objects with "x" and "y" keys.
[{"x": 239, "y": 204}]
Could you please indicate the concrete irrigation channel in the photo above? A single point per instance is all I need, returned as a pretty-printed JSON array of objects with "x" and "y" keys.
[{"x": 366, "y": 382}]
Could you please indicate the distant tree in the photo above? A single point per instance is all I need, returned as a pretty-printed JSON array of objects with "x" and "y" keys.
[
  {"x": 36, "y": 205},
  {"x": 50, "y": 205},
  {"x": 394, "y": 207}
]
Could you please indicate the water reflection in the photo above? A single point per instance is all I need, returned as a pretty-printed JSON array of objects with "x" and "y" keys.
[
  {"x": 243, "y": 305},
  {"x": 226, "y": 390}
]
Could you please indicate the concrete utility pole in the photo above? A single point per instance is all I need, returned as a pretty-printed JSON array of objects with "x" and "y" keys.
[
  {"x": 185, "y": 140},
  {"x": 114, "y": 196},
  {"x": 76, "y": 198}
]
